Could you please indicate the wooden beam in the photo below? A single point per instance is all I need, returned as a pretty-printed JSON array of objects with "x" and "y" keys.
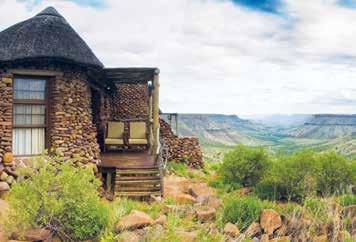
[
  {"x": 29, "y": 72},
  {"x": 155, "y": 110}
]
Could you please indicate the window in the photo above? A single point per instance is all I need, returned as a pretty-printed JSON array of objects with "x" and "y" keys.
[{"x": 29, "y": 116}]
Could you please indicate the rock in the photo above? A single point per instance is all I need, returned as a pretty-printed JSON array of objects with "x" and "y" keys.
[
  {"x": 183, "y": 198},
  {"x": 213, "y": 202},
  {"x": 253, "y": 230},
  {"x": 205, "y": 214},
  {"x": 187, "y": 236},
  {"x": 10, "y": 180},
  {"x": 129, "y": 236},
  {"x": 135, "y": 220},
  {"x": 37, "y": 234},
  {"x": 4, "y": 186},
  {"x": 3, "y": 176},
  {"x": 281, "y": 239},
  {"x": 200, "y": 189},
  {"x": 320, "y": 238},
  {"x": 3, "y": 237},
  {"x": 264, "y": 238},
  {"x": 162, "y": 220},
  {"x": 231, "y": 230},
  {"x": 270, "y": 221}
]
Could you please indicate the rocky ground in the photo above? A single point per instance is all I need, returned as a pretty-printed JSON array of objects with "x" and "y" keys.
[{"x": 189, "y": 212}]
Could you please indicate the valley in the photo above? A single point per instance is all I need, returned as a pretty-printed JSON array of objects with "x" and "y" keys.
[{"x": 278, "y": 133}]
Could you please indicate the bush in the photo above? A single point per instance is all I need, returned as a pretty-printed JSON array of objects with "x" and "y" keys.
[
  {"x": 243, "y": 166},
  {"x": 62, "y": 198},
  {"x": 347, "y": 200},
  {"x": 334, "y": 173},
  {"x": 241, "y": 210},
  {"x": 290, "y": 177}
]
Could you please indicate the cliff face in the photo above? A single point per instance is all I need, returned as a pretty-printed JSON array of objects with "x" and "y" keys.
[{"x": 326, "y": 126}]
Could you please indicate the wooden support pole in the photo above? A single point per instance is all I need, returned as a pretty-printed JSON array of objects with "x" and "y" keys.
[
  {"x": 150, "y": 122},
  {"x": 177, "y": 124},
  {"x": 155, "y": 96}
]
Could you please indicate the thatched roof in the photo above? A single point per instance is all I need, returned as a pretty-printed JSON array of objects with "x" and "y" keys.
[{"x": 47, "y": 35}]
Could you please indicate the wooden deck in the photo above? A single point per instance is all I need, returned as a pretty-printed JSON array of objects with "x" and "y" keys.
[{"x": 127, "y": 160}]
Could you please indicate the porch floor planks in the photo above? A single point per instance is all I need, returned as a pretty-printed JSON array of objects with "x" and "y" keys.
[{"x": 127, "y": 160}]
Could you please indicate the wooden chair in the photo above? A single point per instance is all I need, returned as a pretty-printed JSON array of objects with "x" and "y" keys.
[
  {"x": 138, "y": 133},
  {"x": 115, "y": 134}
]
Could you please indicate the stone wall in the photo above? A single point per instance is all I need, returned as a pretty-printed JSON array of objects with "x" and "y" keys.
[
  {"x": 182, "y": 149},
  {"x": 72, "y": 132},
  {"x": 129, "y": 102},
  {"x": 5, "y": 114}
]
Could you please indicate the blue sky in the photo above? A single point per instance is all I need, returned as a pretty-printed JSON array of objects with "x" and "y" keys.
[{"x": 223, "y": 56}]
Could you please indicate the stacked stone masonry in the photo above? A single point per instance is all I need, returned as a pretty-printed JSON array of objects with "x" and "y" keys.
[
  {"x": 72, "y": 132},
  {"x": 5, "y": 114},
  {"x": 182, "y": 149},
  {"x": 129, "y": 102}
]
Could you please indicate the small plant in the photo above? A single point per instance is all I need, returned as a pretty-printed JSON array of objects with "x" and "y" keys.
[
  {"x": 243, "y": 166},
  {"x": 347, "y": 200},
  {"x": 241, "y": 210},
  {"x": 60, "y": 197}
]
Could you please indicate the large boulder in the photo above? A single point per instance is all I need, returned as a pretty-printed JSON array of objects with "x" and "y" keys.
[
  {"x": 205, "y": 213},
  {"x": 270, "y": 221},
  {"x": 4, "y": 186},
  {"x": 135, "y": 220},
  {"x": 231, "y": 230}
]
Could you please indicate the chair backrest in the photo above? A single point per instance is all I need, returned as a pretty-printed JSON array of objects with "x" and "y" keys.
[
  {"x": 115, "y": 130},
  {"x": 138, "y": 130}
]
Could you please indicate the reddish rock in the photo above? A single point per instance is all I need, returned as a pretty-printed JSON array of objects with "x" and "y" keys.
[
  {"x": 135, "y": 220},
  {"x": 37, "y": 234},
  {"x": 162, "y": 220},
  {"x": 205, "y": 214},
  {"x": 264, "y": 238},
  {"x": 253, "y": 230},
  {"x": 270, "y": 221},
  {"x": 231, "y": 230},
  {"x": 200, "y": 189},
  {"x": 4, "y": 186}
]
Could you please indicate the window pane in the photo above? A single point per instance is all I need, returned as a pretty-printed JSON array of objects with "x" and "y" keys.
[
  {"x": 25, "y": 114},
  {"x": 26, "y": 88},
  {"x": 28, "y": 141}
]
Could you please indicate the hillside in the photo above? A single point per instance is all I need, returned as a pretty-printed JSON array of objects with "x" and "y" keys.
[
  {"x": 218, "y": 132},
  {"x": 222, "y": 129},
  {"x": 325, "y": 126}
]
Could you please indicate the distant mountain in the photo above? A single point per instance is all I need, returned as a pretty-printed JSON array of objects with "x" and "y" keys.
[
  {"x": 281, "y": 120},
  {"x": 326, "y": 126},
  {"x": 221, "y": 129}
]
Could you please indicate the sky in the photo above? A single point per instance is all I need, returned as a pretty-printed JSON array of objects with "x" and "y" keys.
[{"x": 239, "y": 57}]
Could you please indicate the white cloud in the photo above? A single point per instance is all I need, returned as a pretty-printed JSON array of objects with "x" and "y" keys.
[{"x": 218, "y": 57}]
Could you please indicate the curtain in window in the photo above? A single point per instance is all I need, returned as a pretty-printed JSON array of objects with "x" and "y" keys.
[
  {"x": 28, "y": 141},
  {"x": 29, "y": 89}
]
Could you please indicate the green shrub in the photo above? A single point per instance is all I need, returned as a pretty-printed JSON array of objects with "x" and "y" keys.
[
  {"x": 241, "y": 210},
  {"x": 334, "y": 173},
  {"x": 347, "y": 200},
  {"x": 317, "y": 208},
  {"x": 290, "y": 177},
  {"x": 62, "y": 198},
  {"x": 243, "y": 166}
]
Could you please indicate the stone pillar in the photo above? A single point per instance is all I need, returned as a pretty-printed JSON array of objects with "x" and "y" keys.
[
  {"x": 72, "y": 132},
  {"x": 6, "y": 90}
]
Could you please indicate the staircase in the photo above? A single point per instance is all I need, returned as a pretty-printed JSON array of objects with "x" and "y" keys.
[{"x": 138, "y": 182}]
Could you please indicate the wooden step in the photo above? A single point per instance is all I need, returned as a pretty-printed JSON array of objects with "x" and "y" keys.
[
  {"x": 143, "y": 171},
  {"x": 138, "y": 182},
  {"x": 137, "y": 189},
  {"x": 137, "y": 194},
  {"x": 129, "y": 178}
]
